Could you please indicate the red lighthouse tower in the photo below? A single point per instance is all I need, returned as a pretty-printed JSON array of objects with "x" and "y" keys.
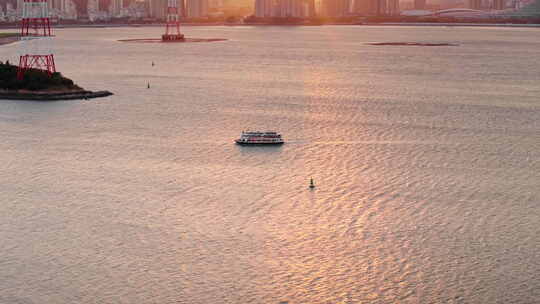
[
  {"x": 172, "y": 27},
  {"x": 35, "y": 35}
]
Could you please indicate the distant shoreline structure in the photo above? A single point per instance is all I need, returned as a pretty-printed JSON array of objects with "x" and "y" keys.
[
  {"x": 224, "y": 24},
  {"x": 9, "y": 38},
  {"x": 185, "y": 40}
]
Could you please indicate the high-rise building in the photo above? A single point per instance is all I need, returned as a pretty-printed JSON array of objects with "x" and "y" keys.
[
  {"x": 284, "y": 8},
  {"x": 57, "y": 4},
  {"x": 81, "y": 7},
  {"x": 70, "y": 10},
  {"x": 20, "y": 4},
  {"x": 102, "y": 5},
  {"x": 93, "y": 6},
  {"x": 392, "y": 7},
  {"x": 291, "y": 8},
  {"x": 335, "y": 8},
  {"x": 197, "y": 8},
  {"x": 499, "y": 4},
  {"x": 360, "y": 7},
  {"x": 475, "y": 4},
  {"x": 157, "y": 8},
  {"x": 377, "y": 7},
  {"x": 264, "y": 8},
  {"x": 311, "y": 8},
  {"x": 116, "y": 7},
  {"x": 420, "y": 4},
  {"x": 3, "y": 5},
  {"x": 215, "y": 4}
]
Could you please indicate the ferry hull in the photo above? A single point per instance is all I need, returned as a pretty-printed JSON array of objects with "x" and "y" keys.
[{"x": 243, "y": 143}]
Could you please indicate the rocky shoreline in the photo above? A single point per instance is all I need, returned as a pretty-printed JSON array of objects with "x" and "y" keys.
[{"x": 52, "y": 96}]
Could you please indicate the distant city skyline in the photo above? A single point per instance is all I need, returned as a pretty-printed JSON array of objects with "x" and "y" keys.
[{"x": 155, "y": 9}]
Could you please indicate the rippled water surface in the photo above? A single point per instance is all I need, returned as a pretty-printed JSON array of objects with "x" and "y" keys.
[{"x": 426, "y": 161}]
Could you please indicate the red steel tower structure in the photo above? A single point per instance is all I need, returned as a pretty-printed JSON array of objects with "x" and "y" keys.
[
  {"x": 35, "y": 33},
  {"x": 172, "y": 27}
]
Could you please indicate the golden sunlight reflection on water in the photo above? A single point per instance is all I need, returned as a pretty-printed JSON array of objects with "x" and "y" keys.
[{"x": 425, "y": 162}]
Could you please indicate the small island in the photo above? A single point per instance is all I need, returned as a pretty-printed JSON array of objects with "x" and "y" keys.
[
  {"x": 40, "y": 86},
  {"x": 412, "y": 44},
  {"x": 172, "y": 40}
]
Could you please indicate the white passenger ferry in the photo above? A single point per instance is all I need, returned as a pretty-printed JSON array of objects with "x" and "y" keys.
[{"x": 259, "y": 138}]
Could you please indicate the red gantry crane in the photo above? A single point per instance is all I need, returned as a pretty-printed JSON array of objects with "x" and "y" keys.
[{"x": 36, "y": 36}]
